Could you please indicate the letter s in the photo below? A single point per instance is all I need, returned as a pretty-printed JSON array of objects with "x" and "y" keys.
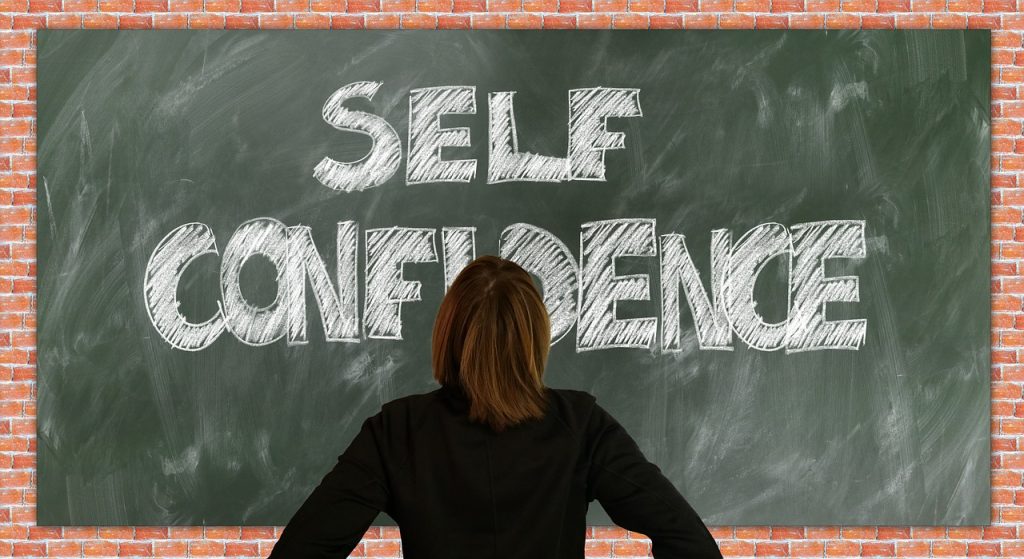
[{"x": 377, "y": 166}]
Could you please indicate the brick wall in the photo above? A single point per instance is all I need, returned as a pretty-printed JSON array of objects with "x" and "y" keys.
[{"x": 19, "y": 18}]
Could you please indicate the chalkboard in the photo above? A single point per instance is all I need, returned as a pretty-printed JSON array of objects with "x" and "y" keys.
[{"x": 765, "y": 252}]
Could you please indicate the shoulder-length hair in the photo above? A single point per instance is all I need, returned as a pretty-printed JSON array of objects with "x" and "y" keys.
[{"x": 491, "y": 339}]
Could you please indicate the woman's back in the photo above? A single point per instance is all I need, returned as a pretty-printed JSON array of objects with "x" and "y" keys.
[
  {"x": 459, "y": 489},
  {"x": 494, "y": 464}
]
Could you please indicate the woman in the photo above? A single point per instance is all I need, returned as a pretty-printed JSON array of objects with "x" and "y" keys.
[{"x": 493, "y": 464}]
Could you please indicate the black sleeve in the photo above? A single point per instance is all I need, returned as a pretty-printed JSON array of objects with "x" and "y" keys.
[
  {"x": 336, "y": 515},
  {"x": 638, "y": 497}
]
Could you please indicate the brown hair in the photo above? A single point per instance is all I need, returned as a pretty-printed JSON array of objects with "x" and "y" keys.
[{"x": 491, "y": 339}]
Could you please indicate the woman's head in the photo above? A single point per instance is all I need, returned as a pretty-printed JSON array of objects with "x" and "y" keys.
[{"x": 491, "y": 338}]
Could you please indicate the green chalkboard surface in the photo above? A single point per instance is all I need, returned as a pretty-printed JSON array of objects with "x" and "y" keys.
[{"x": 765, "y": 252}]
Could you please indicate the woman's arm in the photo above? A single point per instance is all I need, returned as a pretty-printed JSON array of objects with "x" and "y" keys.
[
  {"x": 638, "y": 497},
  {"x": 338, "y": 512}
]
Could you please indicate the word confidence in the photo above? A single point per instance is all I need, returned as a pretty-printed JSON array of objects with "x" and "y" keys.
[
  {"x": 582, "y": 293},
  {"x": 589, "y": 138}
]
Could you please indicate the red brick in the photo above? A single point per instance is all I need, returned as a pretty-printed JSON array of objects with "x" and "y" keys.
[
  {"x": 630, "y": 548},
  {"x": 859, "y": 5},
  {"x": 488, "y": 21},
  {"x": 453, "y": 21},
  {"x": 26, "y": 549},
  {"x": 241, "y": 549},
  {"x": 630, "y": 21},
  {"x": 805, "y": 548},
  {"x": 150, "y": 5},
  {"x": 656, "y": 6},
  {"x": 382, "y": 548},
  {"x": 878, "y": 549},
  {"x": 594, "y": 21},
  {"x": 575, "y": 6},
  {"x": 398, "y": 5},
  {"x": 419, "y": 21},
  {"x": 878, "y": 22},
  {"x": 64, "y": 549},
  {"x": 559, "y": 21},
  {"x": 893, "y": 5},
  {"x": 170, "y": 548},
  {"x": 205, "y": 548},
  {"x": 524, "y": 21},
  {"x": 339, "y": 21},
  {"x": 674, "y": 6},
  {"x": 327, "y": 5},
  {"x": 822, "y": 5},
  {"x": 753, "y": 5},
  {"x": 129, "y": 21},
  {"x": 257, "y": 532},
  {"x": 666, "y": 21},
  {"x": 949, "y": 21},
  {"x": 312, "y": 20},
  {"x": 842, "y": 21},
  {"x": 771, "y": 549},
  {"x": 434, "y": 5},
  {"x": 806, "y": 21},
  {"x": 982, "y": 549},
  {"x": 540, "y": 5},
  {"x": 363, "y": 6},
  {"x": 99, "y": 548}
]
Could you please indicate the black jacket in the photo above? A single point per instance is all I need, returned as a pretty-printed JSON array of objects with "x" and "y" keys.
[{"x": 459, "y": 490}]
